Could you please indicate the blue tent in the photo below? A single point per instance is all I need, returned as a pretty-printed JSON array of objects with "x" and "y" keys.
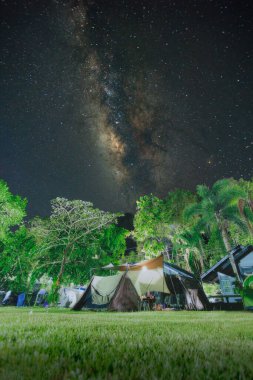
[{"x": 21, "y": 300}]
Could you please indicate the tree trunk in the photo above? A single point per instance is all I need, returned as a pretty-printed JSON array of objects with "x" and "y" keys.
[
  {"x": 62, "y": 266},
  {"x": 228, "y": 247},
  {"x": 241, "y": 205},
  {"x": 186, "y": 257},
  {"x": 202, "y": 255},
  {"x": 225, "y": 238}
]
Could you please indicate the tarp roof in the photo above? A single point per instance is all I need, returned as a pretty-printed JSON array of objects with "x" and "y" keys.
[
  {"x": 155, "y": 263},
  {"x": 158, "y": 262},
  {"x": 174, "y": 270}
]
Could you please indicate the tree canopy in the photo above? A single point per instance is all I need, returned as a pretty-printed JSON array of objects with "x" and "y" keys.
[
  {"x": 69, "y": 237},
  {"x": 12, "y": 210},
  {"x": 192, "y": 229},
  {"x": 199, "y": 228}
]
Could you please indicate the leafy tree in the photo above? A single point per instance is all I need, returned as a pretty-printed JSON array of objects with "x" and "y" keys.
[
  {"x": 12, "y": 210},
  {"x": 69, "y": 237},
  {"x": 185, "y": 238},
  {"x": 245, "y": 203},
  {"x": 240, "y": 237},
  {"x": 188, "y": 241},
  {"x": 214, "y": 247},
  {"x": 176, "y": 201},
  {"x": 151, "y": 227},
  {"x": 157, "y": 220},
  {"x": 16, "y": 260},
  {"x": 108, "y": 247},
  {"x": 111, "y": 244},
  {"x": 13, "y": 239},
  {"x": 218, "y": 208}
]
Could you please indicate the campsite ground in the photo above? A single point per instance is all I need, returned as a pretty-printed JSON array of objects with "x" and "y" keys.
[{"x": 61, "y": 344}]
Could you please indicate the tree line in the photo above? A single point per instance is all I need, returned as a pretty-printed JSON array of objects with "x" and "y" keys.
[
  {"x": 64, "y": 247},
  {"x": 196, "y": 229},
  {"x": 193, "y": 229}
]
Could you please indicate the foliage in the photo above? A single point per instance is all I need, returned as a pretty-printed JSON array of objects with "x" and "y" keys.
[
  {"x": 150, "y": 224},
  {"x": 176, "y": 201},
  {"x": 201, "y": 227},
  {"x": 60, "y": 344},
  {"x": 75, "y": 238},
  {"x": 14, "y": 240},
  {"x": 217, "y": 206},
  {"x": 192, "y": 230},
  {"x": 211, "y": 289},
  {"x": 70, "y": 238},
  {"x": 156, "y": 219},
  {"x": 12, "y": 210},
  {"x": 111, "y": 244},
  {"x": 240, "y": 237},
  {"x": 187, "y": 245},
  {"x": 214, "y": 247},
  {"x": 16, "y": 260}
]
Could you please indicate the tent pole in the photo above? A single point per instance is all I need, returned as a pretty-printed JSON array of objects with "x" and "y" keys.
[
  {"x": 193, "y": 303},
  {"x": 174, "y": 289}
]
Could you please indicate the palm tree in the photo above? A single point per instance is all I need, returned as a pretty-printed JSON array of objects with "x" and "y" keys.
[
  {"x": 218, "y": 206},
  {"x": 188, "y": 240},
  {"x": 245, "y": 204}
]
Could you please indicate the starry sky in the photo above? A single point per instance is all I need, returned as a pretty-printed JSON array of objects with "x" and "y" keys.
[{"x": 108, "y": 100}]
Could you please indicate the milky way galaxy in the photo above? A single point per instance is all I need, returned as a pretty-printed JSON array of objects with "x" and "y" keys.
[
  {"x": 134, "y": 116},
  {"x": 109, "y": 100}
]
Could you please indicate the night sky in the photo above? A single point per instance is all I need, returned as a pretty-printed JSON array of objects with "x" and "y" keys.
[{"x": 108, "y": 100}]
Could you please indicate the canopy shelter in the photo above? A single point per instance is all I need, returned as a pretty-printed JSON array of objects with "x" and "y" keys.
[
  {"x": 123, "y": 291},
  {"x": 222, "y": 273},
  {"x": 243, "y": 257},
  {"x": 184, "y": 283}
]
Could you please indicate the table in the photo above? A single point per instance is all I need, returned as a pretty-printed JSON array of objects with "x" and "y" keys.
[{"x": 147, "y": 303}]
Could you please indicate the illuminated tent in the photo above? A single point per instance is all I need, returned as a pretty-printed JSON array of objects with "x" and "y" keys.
[{"x": 122, "y": 292}]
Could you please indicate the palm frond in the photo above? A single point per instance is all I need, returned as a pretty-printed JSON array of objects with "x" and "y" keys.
[
  {"x": 191, "y": 211},
  {"x": 248, "y": 214},
  {"x": 222, "y": 184},
  {"x": 208, "y": 206},
  {"x": 239, "y": 222},
  {"x": 230, "y": 211},
  {"x": 203, "y": 191},
  {"x": 231, "y": 195}
]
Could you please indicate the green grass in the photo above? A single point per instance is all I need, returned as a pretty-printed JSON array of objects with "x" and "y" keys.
[{"x": 53, "y": 344}]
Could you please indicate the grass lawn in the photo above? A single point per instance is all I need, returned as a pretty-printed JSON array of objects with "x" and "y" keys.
[{"x": 61, "y": 344}]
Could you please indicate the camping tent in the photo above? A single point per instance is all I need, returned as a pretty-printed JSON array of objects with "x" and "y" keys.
[
  {"x": 70, "y": 296},
  {"x": 123, "y": 291},
  {"x": 187, "y": 289}
]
